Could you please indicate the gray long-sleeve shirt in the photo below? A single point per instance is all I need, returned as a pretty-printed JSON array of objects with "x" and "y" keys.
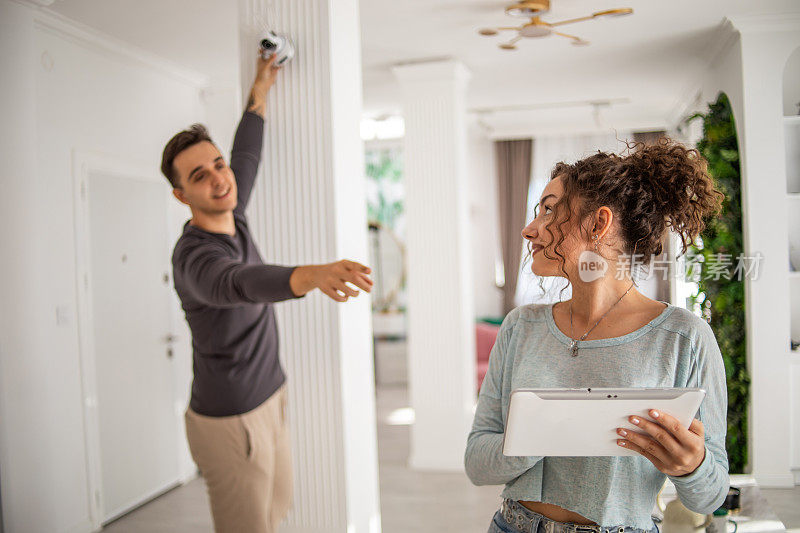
[
  {"x": 226, "y": 292},
  {"x": 676, "y": 349}
]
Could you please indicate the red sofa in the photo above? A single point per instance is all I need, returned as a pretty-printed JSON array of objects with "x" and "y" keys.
[{"x": 485, "y": 335}]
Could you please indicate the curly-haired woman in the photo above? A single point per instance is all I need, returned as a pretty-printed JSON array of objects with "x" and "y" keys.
[{"x": 608, "y": 335}]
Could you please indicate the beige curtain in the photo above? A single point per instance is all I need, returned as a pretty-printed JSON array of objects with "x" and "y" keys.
[
  {"x": 662, "y": 285},
  {"x": 648, "y": 137},
  {"x": 513, "y": 178}
]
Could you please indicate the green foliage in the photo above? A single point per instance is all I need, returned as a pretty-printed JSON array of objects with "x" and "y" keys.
[
  {"x": 385, "y": 198},
  {"x": 722, "y": 300}
]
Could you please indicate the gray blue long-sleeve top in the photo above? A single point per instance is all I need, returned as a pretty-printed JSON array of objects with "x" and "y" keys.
[{"x": 676, "y": 349}]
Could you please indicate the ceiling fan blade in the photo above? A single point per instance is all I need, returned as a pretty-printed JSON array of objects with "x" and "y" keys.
[
  {"x": 488, "y": 32},
  {"x": 575, "y": 39},
  {"x": 608, "y": 12},
  {"x": 613, "y": 12},
  {"x": 570, "y": 21},
  {"x": 510, "y": 44}
]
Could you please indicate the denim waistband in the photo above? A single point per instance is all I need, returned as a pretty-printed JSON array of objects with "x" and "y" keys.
[{"x": 527, "y": 521}]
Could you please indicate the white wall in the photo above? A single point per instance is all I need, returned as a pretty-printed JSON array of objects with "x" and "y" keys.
[
  {"x": 724, "y": 75},
  {"x": 749, "y": 67},
  {"x": 484, "y": 220},
  {"x": 766, "y": 46},
  {"x": 75, "y": 90},
  {"x": 22, "y": 348}
]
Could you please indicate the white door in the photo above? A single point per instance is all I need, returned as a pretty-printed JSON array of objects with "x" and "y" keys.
[{"x": 129, "y": 284}]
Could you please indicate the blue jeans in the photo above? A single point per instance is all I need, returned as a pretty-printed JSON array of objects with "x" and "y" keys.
[{"x": 527, "y": 521}]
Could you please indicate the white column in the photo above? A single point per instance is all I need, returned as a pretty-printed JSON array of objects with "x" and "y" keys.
[
  {"x": 441, "y": 333},
  {"x": 309, "y": 206},
  {"x": 766, "y": 44}
]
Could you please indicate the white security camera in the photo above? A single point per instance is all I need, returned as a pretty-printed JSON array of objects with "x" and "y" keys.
[{"x": 279, "y": 45}]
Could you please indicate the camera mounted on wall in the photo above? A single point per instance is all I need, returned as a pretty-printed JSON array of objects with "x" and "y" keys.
[{"x": 280, "y": 45}]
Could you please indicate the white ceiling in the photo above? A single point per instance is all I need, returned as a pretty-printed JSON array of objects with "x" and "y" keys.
[
  {"x": 647, "y": 61},
  {"x": 199, "y": 35}
]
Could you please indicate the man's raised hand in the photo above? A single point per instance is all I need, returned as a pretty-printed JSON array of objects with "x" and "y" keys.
[{"x": 266, "y": 72}]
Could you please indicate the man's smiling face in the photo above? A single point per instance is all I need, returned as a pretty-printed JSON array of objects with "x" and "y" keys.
[{"x": 207, "y": 182}]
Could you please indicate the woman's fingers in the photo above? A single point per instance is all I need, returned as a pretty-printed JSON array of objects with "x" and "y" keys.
[
  {"x": 698, "y": 429},
  {"x": 676, "y": 429},
  {"x": 643, "y": 444},
  {"x": 628, "y": 443},
  {"x": 665, "y": 437}
]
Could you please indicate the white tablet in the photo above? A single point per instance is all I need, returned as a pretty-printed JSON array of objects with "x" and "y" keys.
[{"x": 584, "y": 422}]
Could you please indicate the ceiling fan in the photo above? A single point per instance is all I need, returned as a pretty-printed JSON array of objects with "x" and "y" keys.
[{"x": 537, "y": 27}]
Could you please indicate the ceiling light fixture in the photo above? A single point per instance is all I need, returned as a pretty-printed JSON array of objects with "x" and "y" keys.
[{"x": 536, "y": 27}]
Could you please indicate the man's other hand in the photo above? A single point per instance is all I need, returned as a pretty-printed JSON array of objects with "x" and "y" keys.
[{"x": 339, "y": 280}]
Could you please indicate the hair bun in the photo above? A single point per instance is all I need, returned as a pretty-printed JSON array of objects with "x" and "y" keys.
[{"x": 679, "y": 186}]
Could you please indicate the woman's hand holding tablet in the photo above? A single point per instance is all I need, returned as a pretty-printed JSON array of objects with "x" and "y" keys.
[{"x": 672, "y": 448}]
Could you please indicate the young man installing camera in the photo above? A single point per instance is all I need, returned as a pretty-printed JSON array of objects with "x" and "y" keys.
[{"x": 235, "y": 423}]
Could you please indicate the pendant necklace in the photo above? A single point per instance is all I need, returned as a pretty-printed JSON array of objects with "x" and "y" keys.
[{"x": 574, "y": 344}]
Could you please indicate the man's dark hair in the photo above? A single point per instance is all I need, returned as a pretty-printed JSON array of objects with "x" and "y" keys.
[{"x": 180, "y": 142}]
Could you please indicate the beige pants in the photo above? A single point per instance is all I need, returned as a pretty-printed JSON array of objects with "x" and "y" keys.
[{"x": 246, "y": 462}]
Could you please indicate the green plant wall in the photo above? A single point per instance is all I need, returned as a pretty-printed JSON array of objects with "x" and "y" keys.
[{"x": 722, "y": 300}]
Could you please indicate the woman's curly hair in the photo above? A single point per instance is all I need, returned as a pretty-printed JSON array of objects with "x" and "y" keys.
[{"x": 652, "y": 188}]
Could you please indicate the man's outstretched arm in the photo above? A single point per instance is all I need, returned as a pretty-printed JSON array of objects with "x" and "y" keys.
[{"x": 210, "y": 276}]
